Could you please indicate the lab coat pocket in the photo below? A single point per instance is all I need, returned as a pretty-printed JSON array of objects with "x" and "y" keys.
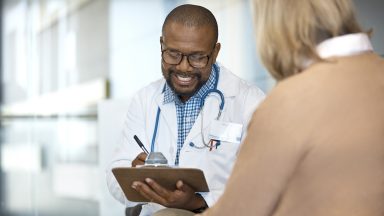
[
  {"x": 225, "y": 131},
  {"x": 220, "y": 161}
]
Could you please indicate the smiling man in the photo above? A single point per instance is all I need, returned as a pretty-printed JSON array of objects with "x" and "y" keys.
[
  {"x": 168, "y": 117},
  {"x": 195, "y": 41}
]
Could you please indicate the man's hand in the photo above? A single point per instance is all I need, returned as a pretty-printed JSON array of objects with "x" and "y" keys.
[
  {"x": 183, "y": 197},
  {"x": 140, "y": 159}
]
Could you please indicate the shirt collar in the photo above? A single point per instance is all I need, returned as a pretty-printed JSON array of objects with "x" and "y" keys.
[{"x": 170, "y": 96}]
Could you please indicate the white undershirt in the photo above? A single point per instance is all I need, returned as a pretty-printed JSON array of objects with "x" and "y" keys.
[{"x": 345, "y": 45}]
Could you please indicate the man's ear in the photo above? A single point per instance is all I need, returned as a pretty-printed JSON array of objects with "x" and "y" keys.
[
  {"x": 161, "y": 42},
  {"x": 216, "y": 51}
]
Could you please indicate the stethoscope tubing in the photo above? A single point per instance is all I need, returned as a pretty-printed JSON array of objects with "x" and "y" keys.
[{"x": 155, "y": 130}]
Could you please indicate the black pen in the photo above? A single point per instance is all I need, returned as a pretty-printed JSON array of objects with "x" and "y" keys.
[{"x": 140, "y": 144}]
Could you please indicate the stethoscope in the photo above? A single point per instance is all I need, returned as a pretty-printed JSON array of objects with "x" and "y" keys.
[{"x": 205, "y": 95}]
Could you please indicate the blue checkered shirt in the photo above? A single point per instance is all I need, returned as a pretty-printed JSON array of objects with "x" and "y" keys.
[{"x": 187, "y": 112}]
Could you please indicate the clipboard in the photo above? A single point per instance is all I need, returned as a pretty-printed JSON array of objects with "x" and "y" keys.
[{"x": 165, "y": 176}]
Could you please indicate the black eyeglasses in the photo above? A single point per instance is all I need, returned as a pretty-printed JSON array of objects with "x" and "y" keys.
[{"x": 175, "y": 57}]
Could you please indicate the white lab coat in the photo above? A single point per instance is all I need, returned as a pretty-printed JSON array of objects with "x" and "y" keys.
[{"x": 241, "y": 99}]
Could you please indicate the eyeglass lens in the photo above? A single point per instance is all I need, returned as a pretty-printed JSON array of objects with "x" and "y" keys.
[{"x": 195, "y": 60}]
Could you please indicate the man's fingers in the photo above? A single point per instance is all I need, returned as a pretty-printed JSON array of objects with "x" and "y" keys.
[
  {"x": 139, "y": 160},
  {"x": 140, "y": 187},
  {"x": 157, "y": 188},
  {"x": 184, "y": 187},
  {"x": 142, "y": 156},
  {"x": 154, "y": 192},
  {"x": 179, "y": 185},
  {"x": 147, "y": 192}
]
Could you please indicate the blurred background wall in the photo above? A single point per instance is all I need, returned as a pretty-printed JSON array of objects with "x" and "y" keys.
[{"x": 64, "y": 61}]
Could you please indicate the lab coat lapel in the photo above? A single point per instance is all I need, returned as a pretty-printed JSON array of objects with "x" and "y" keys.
[
  {"x": 167, "y": 116},
  {"x": 210, "y": 113},
  {"x": 211, "y": 104}
]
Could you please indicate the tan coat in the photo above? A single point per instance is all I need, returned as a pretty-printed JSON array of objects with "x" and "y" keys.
[{"x": 315, "y": 147}]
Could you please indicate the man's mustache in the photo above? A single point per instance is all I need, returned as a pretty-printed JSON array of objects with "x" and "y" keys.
[{"x": 185, "y": 74}]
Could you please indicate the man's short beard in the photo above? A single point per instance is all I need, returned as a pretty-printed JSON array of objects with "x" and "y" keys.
[{"x": 187, "y": 94}]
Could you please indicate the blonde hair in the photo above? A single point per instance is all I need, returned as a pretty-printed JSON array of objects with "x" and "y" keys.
[{"x": 288, "y": 31}]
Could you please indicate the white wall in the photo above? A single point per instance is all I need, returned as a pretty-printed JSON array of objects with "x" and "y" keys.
[
  {"x": 135, "y": 29},
  {"x": 371, "y": 16},
  {"x": 111, "y": 115}
]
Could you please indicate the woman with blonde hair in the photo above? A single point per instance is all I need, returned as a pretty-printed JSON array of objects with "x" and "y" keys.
[{"x": 316, "y": 145}]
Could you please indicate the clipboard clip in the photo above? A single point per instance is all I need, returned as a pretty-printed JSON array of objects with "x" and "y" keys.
[{"x": 156, "y": 159}]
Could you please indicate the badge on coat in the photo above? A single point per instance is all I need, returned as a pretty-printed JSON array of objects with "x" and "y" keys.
[{"x": 225, "y": 131}]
